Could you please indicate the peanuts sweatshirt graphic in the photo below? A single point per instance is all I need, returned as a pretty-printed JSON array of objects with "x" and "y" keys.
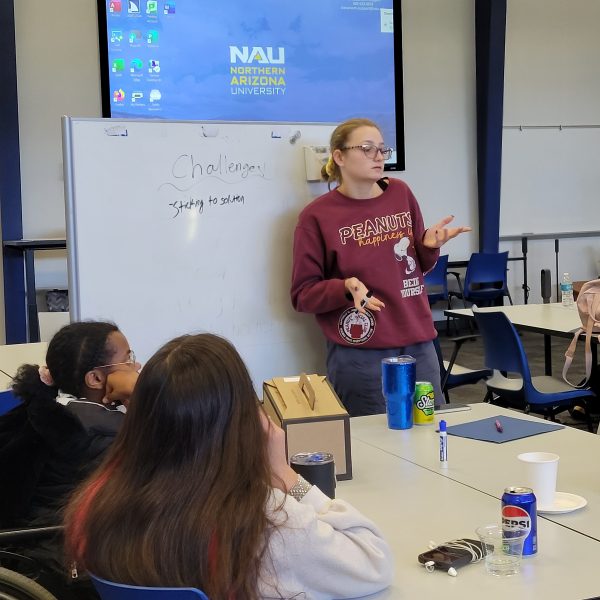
[{"x": 378, "y": 241}]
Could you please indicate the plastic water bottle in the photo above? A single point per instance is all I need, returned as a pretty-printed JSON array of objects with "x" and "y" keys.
[{"x": 566, "y": 290}]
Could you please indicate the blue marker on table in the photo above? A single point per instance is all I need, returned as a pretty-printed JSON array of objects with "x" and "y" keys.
[{"x": 443, "y": 445}]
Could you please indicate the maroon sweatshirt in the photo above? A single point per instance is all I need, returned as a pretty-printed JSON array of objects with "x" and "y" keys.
[{"x": 379, "y": 241}]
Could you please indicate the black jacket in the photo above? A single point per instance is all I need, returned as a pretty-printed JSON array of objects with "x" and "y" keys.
[{"x": 46, "y": 449}]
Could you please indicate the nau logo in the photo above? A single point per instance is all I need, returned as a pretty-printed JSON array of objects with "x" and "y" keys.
[{"x": 256, "y": 54}]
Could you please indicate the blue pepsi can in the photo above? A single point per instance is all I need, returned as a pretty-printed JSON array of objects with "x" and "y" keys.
[
  {"x": 519, "y": 511},
  {"x": 398, "y": 376}
]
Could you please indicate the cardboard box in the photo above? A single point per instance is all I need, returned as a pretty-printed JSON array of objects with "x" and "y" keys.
[{"x": 311, "y": 414}]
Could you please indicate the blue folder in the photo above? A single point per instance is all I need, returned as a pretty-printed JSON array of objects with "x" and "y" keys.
[{"x": 512, "y": 429}]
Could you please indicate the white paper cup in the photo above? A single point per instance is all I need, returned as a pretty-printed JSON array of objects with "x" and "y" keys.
[{"x": 540, "y": 473}]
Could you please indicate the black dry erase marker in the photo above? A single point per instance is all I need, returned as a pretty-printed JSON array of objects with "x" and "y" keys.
[{"x": 365, "y": 300}]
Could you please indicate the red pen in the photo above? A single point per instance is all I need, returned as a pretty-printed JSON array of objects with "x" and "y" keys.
[{"x": 499, "y": 428}]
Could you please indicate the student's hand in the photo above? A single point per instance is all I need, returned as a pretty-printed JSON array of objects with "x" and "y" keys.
[
  {"x": 437, "y": 235},
  {"x": 361, "y": 295},
  {"x": 119, "y": 386},
  {"x": 283, "y": 476}
]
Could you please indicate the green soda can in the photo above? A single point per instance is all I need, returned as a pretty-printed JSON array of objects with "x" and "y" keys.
[{"x": 423, "y": 406}]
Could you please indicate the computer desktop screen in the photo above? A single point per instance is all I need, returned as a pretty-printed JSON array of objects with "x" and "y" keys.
[{"x": 313, "y": 61}]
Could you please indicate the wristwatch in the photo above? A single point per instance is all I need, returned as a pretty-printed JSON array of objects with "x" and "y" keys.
[{"x": 300, "y": 488}]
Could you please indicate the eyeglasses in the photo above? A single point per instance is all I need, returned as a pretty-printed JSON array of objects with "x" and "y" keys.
[
  {"x": 130, "y": 361},
  {"x": 371, "y": 150}
]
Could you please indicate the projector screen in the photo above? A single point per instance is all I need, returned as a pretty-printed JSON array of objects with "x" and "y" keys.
[{"x": 313, "y": 61}]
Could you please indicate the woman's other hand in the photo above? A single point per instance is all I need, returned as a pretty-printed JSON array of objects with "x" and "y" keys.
[
  {"x": 283, "y": 476},
  {"x": 362, "y": 296},
  {"x": 119, "y": 386},
  {"x": 437, "y": 235}
]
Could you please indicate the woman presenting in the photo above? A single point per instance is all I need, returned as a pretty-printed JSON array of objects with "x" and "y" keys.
[{"x": 360, "y": 253}]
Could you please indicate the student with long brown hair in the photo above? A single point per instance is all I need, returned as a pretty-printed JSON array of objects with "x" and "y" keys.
[{"x": 197, "y": 492}]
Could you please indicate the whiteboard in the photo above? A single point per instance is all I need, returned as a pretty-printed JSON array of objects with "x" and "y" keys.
[
  {"x": 550, "y": 180},
  {"x": 181, "y": 227}
]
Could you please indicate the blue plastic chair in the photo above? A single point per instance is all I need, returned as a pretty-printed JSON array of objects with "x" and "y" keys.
[
  {"x": 504, "y": 353},
  {"x": 454, "y": 375},
  {"x": 8, "y": 401},
  {"x": 485, "y": 279},
  {"x": 436, "y": 284},
  {"x": 436, "y": 281},
  {"x": 119, "y": 591}
]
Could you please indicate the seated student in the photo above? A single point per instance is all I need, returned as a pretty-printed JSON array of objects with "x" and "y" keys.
[
  {"x": 66, "y": 420},
  {"x": 196, "y": 491}
]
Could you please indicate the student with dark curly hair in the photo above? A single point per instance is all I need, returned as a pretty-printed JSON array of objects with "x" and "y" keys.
[
  {"x": 196, "y": 491},
  {"x": 66, "y": 421}
]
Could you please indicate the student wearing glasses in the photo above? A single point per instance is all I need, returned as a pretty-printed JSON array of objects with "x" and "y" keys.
[
  {"x": 71, "y": 411},
  {"x": 360, "y": 253}
]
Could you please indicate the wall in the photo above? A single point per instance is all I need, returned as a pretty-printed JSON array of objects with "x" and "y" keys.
[
  {"x": 551, "y": 177},
  {"x": 439, "y": 97},
  {"x": 63, "y": 78},
  {"x": 58, "y": 73}
]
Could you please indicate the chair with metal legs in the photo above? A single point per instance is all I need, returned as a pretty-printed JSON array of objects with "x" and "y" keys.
[
  {"x": 454, "y": 375},
  {"x": 504, "y": 354}
]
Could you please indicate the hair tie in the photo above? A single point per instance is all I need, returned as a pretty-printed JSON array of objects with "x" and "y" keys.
[
  {"x": 330, "y": 166},
  {"x": 46, "y": 376}
]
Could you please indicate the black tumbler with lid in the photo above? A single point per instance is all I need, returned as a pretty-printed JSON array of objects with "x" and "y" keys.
[{"x": 317, "y": 468}]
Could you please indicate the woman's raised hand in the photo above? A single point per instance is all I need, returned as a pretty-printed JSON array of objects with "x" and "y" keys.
[
  {"x": 437, "y": 235},
  {"x": 283, "y": 476}
]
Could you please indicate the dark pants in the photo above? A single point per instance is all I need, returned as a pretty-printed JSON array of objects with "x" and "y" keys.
[{"x": 355, "y": 374}]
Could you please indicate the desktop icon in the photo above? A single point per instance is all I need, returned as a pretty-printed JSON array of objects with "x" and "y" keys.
[
  {"x": 118, "y": 95},
  {"x": 118, "y": 64},
  {"x": 135, "y": 36},
  {"x": 135, "y": 96},
  {"x": 151, "y": 7},
  {"x": 153, "y": 66},
  {"x": 133, "y": 6},
  {"x": 169, "y": 8},
  {"x": 136, "y": 65},
  {"x": 155, "y": 95},
  {"x": 114, "y": 6},
  {"x": 152, "y": 36},
  {"x": 116, "y": 36}
]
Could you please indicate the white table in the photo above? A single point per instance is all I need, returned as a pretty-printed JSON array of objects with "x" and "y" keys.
[
  {"x": 12, "y": 356},
  {"x": 489, "y": 467},
  {"x": 413, "y": 505},
  {"x": 548, "y": 319}
]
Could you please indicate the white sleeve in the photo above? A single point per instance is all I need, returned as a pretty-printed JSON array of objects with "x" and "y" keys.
[{"x": 324, "y": 548}]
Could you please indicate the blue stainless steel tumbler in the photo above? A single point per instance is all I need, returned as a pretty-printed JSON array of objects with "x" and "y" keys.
[{"x": 398, "y": 375}]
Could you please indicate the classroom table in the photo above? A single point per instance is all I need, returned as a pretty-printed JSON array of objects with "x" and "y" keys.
[
  {"x": 399, "y": 485},
  {"x": 12, "y": 356},
  {"x": 413, "y": 505},
  {"x": 489, "y": 467},
  {"x": 551, "y": 319}
]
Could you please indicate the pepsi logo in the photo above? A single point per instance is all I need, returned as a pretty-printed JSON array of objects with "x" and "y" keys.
[{"x": 515, "y": 517}]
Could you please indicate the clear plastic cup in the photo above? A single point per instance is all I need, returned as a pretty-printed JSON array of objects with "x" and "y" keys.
[{"x": 502, "y": 549}]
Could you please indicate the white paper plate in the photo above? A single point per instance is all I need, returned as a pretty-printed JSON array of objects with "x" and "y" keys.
[{"x": 564, "y": 503}]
